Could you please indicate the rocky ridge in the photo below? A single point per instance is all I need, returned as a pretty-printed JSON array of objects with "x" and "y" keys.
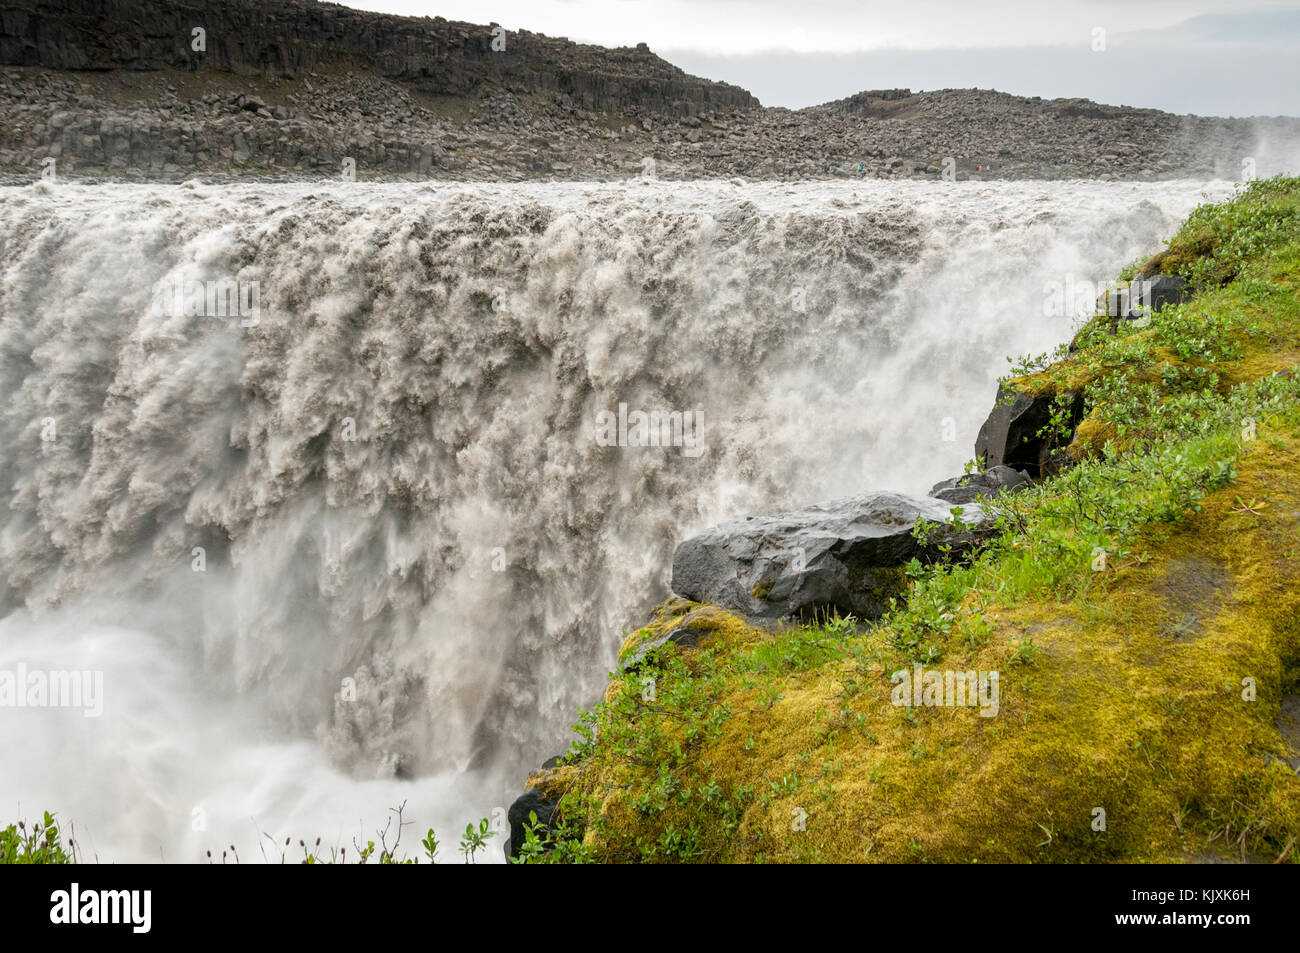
[{"x": 293, "y": 88}]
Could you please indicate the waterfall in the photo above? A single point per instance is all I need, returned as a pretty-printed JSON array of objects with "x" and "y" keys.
[{"x": 312, "y": 473}]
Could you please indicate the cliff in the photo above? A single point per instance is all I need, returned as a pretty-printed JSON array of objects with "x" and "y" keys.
[
  {"x": 287, "y": 38},
  {"x": 291, "y": 88}
]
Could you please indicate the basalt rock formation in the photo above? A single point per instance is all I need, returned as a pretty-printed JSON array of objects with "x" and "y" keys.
[
  {"x": 1027, "y": 431},
  {"x": 285, "y": 38}
]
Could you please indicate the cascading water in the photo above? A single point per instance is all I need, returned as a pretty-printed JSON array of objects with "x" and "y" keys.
[{"x": 359, "y": 543}]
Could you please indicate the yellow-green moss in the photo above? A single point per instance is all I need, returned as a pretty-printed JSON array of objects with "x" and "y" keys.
[
  {"x": 1116, "y": 712},
  {"x": 1093, "y": 432},
  {"x": 706, "y": 620}
]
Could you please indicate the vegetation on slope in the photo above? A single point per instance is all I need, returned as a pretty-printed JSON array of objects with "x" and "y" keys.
[{"x": 1140, "y": 608}]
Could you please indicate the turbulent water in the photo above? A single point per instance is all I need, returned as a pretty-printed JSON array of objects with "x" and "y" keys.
[{"x": 362, "y": 543}]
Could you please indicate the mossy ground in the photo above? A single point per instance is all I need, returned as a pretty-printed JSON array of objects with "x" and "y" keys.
[{"x": 1142, "y": 609}]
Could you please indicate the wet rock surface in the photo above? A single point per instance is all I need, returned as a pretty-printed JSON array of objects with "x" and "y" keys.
[
  {"x": 533, "y": 802},
  {"x": 842, "y": 556},
  {"x": 1020, "y": 433},
  {"x": 986, "y": 485}
]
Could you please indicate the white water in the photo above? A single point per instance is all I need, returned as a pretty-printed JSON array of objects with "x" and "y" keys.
[{"x": 372, "y": 559}]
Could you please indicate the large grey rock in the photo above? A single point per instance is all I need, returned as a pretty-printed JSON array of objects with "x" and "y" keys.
[
  {"x": 840, "y": 556},
  {"x": 971, "y": 486}
]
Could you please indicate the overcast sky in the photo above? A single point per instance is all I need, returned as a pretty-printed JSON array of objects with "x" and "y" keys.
[{"x": 1214, "y": 57}]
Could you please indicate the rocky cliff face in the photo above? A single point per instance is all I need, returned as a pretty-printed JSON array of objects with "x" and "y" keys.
[{"x": 285, "y": 38}]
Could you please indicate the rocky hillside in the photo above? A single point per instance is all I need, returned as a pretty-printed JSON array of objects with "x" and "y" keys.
[
  {"x": 292, "y": 88},
  {"x": 284, "y": 39}
]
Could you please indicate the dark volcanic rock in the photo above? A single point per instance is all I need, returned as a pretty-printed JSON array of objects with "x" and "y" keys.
[
  {"x": 284, "y": 38},
  {"x": 841, "y": 556},
  {"x": 990, "y": 483},
  {"x": 535, "y": 801},
  {"x": 1133, "y": 301},
  {"x": 1016, "y": 433},
  {"x": 1165, "y": 289}
]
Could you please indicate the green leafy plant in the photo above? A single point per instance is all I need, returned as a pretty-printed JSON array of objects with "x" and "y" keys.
[
  {"x": 42, "y": 843},
  {"x": 475, "y": 839}
]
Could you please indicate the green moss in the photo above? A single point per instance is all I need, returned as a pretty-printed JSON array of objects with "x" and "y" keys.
[{"x": 1218, "y": 241}]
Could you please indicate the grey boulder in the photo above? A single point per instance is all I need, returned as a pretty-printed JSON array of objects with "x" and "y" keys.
[
  {"x": 972, "y": 486},
  {"x": 843, "y": 556},
  {"x": 1161, "y": 290}
]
